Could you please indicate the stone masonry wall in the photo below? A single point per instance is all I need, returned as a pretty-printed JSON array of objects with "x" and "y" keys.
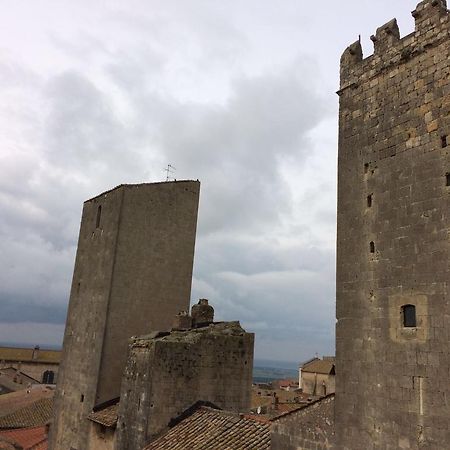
[
  {"x": 393, "y": 244},
  {"x": 166, "y": 375},
  {"x": 309, "y": 428}
]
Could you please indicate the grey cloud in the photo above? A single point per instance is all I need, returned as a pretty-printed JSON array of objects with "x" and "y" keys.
[
  {"x": 18, "y": 310},
  {"x": 88, "y": 130}
]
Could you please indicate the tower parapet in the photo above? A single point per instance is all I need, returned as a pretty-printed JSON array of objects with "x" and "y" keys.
[{"x": 432, "y": 25}]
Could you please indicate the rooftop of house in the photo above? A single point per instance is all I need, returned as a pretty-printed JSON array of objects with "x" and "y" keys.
[
  {"x": 27, "y": 355},
  {"x": 285, "y": 383},
  {"x": 323, "y": 366},
  {"x": 27, "y": 438},
  {"x": 21, "y": 377},
  {"x": 305, "y": 410},
  {"x": 215, "y": 429},
  {"x": 35, "y": 414},
  {"x": 17, "y": 400}
]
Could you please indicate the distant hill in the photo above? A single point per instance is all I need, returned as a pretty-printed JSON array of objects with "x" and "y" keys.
[{"x": 265, "y": 371}]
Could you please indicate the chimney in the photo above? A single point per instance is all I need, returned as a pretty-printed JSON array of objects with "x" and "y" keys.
[
  {"x": 275, "y": 401},
  {"x": 35, "y": 354},
  {"x": 182, "y": 321},
  {"x": 202, "y": 313}
]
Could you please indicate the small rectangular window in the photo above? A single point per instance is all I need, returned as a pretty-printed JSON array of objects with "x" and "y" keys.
[
  {"x": 409, "y": 316},
  {"x": 447, "y": 179},
  {"x": 366, "y": 167},
  {"x": 82, "y": 398},
  {"x": 444, "y": 141},
  {"x": 369, "y": 201}
]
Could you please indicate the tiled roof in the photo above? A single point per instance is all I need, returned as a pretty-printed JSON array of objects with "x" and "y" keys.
[
  {"x": 27, "y": 438},
  {"x": 106, "y": 416},
  {"x": 26, "y": 355},
  {"x": 324, "y": 366},
  {"x": 11, "y": 372},
  {"x": 16, "y": 400},
  {"x": 305, "y": 409},
  {"x": 208, "y": 429},
  {"x": 36, "y": 414}
]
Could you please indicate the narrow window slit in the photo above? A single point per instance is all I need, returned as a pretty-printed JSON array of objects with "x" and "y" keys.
[
  {"x": 366, "y": 167},
  {"x": 99, "y": 216},
  {"x": 372, "y": 247},
  {"x": 444, "y": 142},
  {"x": 82, "y": 398},
  {"x": 447, "y": 179},
  {"x": 369, "y": 201}
]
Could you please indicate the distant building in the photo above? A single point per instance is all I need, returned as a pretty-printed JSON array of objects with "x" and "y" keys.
[
  {"x": 12, "y": 380},
  {"x": 40, "y": 364},
  {"x": 317, "y": 376}
]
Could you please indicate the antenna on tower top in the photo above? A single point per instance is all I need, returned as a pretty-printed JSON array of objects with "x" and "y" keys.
[{"x": 169, "y": 170}]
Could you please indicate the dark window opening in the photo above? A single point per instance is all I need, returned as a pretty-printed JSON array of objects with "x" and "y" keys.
[
  {"x": 409, "y": 316},
  {"x": 82, "y": 398},
  {"x": 372, "y": 247},
  {"x": 99, "y": 216},
  {"x": 444, "y": 141},
  {"x": 369, "y": 201},
  {"x": 48, "y": 377},
  {"x": 447, "y": 179},
  {"x": 366, "y": 167}
]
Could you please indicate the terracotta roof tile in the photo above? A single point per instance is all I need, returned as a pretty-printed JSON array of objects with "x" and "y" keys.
[
  {"x": 36, "y": 414},
  {"x": 28, "y": 438},
  {"x": 16, "y": 400},
  {"x": 208, "y": 429},
  {"x": 106, "y": 416},
  {"x": 26, "y": 355}
]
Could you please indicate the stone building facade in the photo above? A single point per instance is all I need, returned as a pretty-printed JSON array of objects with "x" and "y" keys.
[
  {"x": 393, "y": 244},
  {"x": 37, "y": 363},
  {"x": 133, "y": 273},
  {"x": 168, "y": 372},
  {"x": 317, "y": 377}
]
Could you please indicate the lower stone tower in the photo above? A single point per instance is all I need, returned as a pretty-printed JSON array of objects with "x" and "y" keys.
[
  {"x": 133, "y": 273},
  {"x": 169, "y": 372},
  {"x": 393, "y": 244}
]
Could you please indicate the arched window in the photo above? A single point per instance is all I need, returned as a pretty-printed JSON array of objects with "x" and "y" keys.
[
  {"x": 48, "y": 377},
  {"x": 372, "y": 247},
  {"x": 409, "y": 316}
]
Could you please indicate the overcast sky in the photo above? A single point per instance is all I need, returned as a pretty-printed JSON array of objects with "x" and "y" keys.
[{"x": 239, "y": 94}]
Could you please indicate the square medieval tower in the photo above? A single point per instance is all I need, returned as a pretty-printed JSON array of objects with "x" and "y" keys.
[
  {"x": 133, "y": 274},
  {"x": 393, "y": 245}
]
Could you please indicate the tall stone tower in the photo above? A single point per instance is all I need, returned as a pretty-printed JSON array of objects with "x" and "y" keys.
[
  {"x": 393, "y": 244},
  {"x": 133, "y": 273}
]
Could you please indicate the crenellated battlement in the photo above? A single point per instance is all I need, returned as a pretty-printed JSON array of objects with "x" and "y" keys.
[{"x": 432, "y": 25}]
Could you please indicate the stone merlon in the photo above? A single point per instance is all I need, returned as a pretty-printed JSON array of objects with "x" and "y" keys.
[{"x": 432, "y": 25}]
